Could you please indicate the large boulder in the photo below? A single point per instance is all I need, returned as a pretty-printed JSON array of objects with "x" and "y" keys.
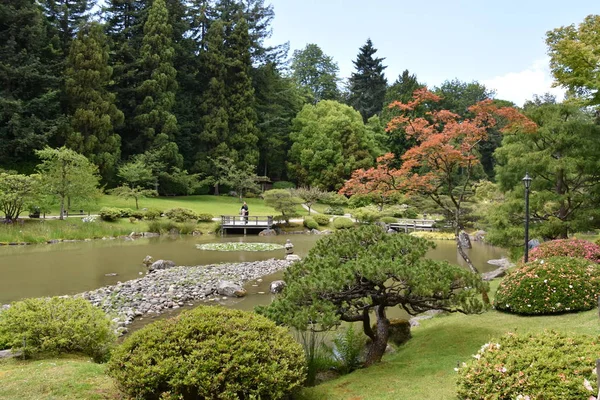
[
  {"x": 230, "y": 289},
  {"x": 277, "y": 286},
  {"x": 267, "y": 232},
  {"x": 161, "y": 264},
  {"x": 463, "y": 240},
  {"x": 292, "y": 257},
  {"x": 399, "y": 331}
]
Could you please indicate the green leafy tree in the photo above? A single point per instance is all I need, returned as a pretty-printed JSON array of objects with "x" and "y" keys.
[
  {"x": 94, "y": 114},
  {"x": 562, "y": 157},
  {"x": 137, "y": 177},
  {"x": 310, "y": 195},
  {"x": 240, "y": 177},
  {"x": 368, "y": 84},
  {"x": 29, "y": 97},
  {"x": 575, "y": 56},
  {"x": 316, "y": 72},
  {"x": 354, "y": 275},
  {"x": 67, "y": 175},
  {"x": 17, "y": 191},
  {"x": 283, "y": 201},
  {"x": 136, "y": 193},
  {"x": 329, "y": 141}
]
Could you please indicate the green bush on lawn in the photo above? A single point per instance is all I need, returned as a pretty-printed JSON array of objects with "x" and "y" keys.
[
  {"x": 321, "y": 219},
  {"x": 343, "y": 223},
  {"x": 57, "y": 325},
  {"x": 181, "y": 214},
  {"x": 209, "y": 353},
  {"x": 550, "y": 286},
  {"x": 310, "y": 223},
  {"x": 548, "y": 366}
]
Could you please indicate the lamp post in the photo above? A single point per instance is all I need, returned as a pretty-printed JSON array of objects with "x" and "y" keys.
[{"x": 527, "y": 183}]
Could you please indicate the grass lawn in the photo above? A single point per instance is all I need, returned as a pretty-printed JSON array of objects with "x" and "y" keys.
[{"x": 69, "y": 378}]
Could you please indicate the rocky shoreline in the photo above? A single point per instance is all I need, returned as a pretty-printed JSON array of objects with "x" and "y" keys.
[{"x": 174, "y": 287}]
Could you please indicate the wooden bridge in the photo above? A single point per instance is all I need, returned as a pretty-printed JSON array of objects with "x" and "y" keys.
[
  {"x": 245, "y": 223},
  {"x": 413, "y": 224}
]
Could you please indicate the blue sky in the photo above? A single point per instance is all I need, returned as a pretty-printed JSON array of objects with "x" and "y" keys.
[{"x": 498, "y": 43}]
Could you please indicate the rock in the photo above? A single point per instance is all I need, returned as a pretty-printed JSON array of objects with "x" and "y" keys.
[
  {"x": 399, "y": 331},
  {"x": 497, "y": 273},
  {"x": 148, "y": 260},
  {"x": 292, "y": 257},
  {"x": 230, "y": 289},
  {"x": 479, "y": 236},
  {"x": 173, "y": 231},
  {"x": 267, "y": 232},
  {"x": 533, "y": 243},
  {"x": 463, "y": 240},
  {"x": 326, "y": 232},
  {"x": 9, "y": 354},
  {"x": 161, "y": 264},
  {"x": 277, "y": 286},
  {"x": 111, "y": 274},
  {"x": 501, "y": 262},
  {"x": 150, "y": 234},
  {"x": 315, "y": 231},
  {"x": 391, "y": 231}
]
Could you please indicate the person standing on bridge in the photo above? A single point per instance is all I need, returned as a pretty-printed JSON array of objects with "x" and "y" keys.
[{"x": 244, "y": 212}]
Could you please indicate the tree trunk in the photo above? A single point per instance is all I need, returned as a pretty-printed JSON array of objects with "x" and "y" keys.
[
  {"x": 216, "y": 189},
  {"x": 380, "y": 338},
  {"x": 62, "y": 208},
  {"x": 136, "y": 203}
]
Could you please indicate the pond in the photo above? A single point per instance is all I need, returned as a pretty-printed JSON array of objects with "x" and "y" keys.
[{"x": 70, "y": 268}]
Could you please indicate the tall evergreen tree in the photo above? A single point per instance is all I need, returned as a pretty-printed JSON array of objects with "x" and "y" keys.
[
  {"x": 93, "y": 111},
  {"x": 65, "y": 18},
  {"x": 368, "y": 84},
  {"x": 240, "y": 94},
  {"x": 29, "y": 101},
  {"x": 156, "y": 94}
]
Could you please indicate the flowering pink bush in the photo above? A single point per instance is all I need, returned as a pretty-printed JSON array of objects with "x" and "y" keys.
[
  {"x": 542, "y": 366},
  {"x": 550, "y": 286},
  {"x": 566, "y": 248}
]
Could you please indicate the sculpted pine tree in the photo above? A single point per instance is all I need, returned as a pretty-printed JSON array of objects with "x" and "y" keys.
[
  {"x": 368, "y": 84},
  {"x": 94, "y": 115},
  {"x": 355, "y": 275}
]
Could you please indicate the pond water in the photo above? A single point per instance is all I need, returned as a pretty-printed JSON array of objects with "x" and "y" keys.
[{"x": 70, "y": 268}]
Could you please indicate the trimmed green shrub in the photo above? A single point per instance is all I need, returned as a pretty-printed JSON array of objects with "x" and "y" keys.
[
  {"x": 152, "y": 214},
  {"x": 360, "y": 200},
  {"x": 283, "y": 185},
  {"x": 57, "y": 325},
  {"x": 125, "y": 212},
  {"x": 550, "y": 286},
  {"x": 205, "y": 217},
  {"x": 321, "y": 219},
  {"x": 410, "y": 213},
  {"x": 162, "y": 226},
  {"x": 366, "y": 215},
  {"x": 310, "y": 222},
  {"x": 548, "y": 366},
  {"x": 335, "y": 199},
  {"x": 209, "y": 353},
  {"x": 138, "y": 214},
  {"x": 343, "y": 223},
  {"x": 181, "y": 214},
  {"x": 568, "y": 248},
  {"x": 388, "y": 220},
  {"x": 110, "y": 214},
  {"x": 334, "y": 210}
]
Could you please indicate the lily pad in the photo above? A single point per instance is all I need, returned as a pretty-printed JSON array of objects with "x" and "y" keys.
[{"x": 237, "y": 246}]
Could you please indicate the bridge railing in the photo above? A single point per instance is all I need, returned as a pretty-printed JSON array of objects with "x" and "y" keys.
[{"x": 238, "y": 220}]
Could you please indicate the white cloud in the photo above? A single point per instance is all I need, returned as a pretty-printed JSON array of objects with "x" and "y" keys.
[{"x": 521, "y": 86}]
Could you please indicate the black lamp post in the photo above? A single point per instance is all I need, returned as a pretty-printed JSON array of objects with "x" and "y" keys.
[{"x": 527, "y": 183}]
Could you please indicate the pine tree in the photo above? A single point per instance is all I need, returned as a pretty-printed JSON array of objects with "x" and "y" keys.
[
  {"x": 368, "y": 84},
  {"x": 65, "y": 18},
  {"x": 316, "y": 72},
  {"x": 93, "y": 112},
  {"x": 240, "y": 95},
  {"x": 29, "y": 101},
  {"x": 156, "y": 94}
]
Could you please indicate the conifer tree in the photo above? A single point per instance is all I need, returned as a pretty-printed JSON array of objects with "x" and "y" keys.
[
  {"x": 93, "y": 112},
  {"x": 240, "y": 95},
  {"x": 29, "y": 101},
  {"x": 368, "y": 84},
  {"x": 156, "y": 94},
  {"x": 65, "y": 17}
]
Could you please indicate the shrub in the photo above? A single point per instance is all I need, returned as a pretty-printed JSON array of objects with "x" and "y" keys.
[
  {"x": 360, "y": 200},
  {"x": 185, "y": 228},
  {"x": 321, "y": 219},
  {"x": 310, "y": 223},
  {"x": 335, "y": 199},
  {"x": 125, "y": 212},
  {"x": 162, "y": 226},
  {"x": 205, "y": 217},
  {"x": 283, "y": 185},
  {"x": 137, "y": 214},
  {"x": 550, "y": 286},
  {"x": 343, "y": 223},
  {"x": 548, "y": 365},
  {"x": 209, "y": 352},
  {"x": 349, "y": 346},
  {"x": 366, "y": 215},
  {"x": 334, "y": 210},
  {"x": 57, "y": 325},
  {"x": 388, "y": 220},
  {"x": 180, "y": 214},
  {"x": 568, "y": 248},
  {"x": 410, "y": 213},
  {"x": 152, "y": 214},
  {"x": 110, "y": 214}
]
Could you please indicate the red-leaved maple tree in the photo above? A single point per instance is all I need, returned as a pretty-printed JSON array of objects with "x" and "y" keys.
[{"x": 442, "y": 163}]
